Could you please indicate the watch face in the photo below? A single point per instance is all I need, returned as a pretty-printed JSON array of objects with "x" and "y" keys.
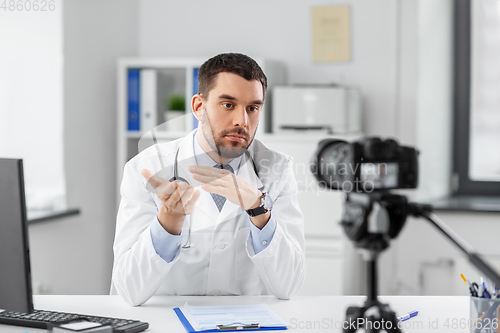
[{"x": 268, "y": 202}]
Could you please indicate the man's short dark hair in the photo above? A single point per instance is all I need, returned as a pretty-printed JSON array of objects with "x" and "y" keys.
[{"x": 235, "y": 63}]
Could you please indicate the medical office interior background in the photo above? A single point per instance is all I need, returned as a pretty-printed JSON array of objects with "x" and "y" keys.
[{"x": 59, "y": 96}]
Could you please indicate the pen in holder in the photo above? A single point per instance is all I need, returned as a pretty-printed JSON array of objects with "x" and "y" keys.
[{"x": 484, "y": 315}]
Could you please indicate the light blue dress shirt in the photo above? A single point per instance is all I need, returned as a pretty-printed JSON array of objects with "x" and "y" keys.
[{"x": 168, "y": 246}]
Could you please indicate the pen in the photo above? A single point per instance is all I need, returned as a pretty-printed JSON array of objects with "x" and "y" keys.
[
  {"x": 472, "y": 287},
  {"x": 408, "y": 315},
  {"x": 485, "y": 293},
  {"x": 490, "y": 286}
]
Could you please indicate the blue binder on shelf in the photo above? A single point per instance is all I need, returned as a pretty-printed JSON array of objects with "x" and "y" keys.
[
  {"x": 133, "y": 99},
  {"x": 235, "y": 327}
]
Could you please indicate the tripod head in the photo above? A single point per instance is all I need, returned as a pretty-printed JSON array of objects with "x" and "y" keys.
[{"x": 371, "y": 220}]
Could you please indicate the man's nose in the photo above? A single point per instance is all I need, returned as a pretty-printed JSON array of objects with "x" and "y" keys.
[{"x": 240, "y": 117}]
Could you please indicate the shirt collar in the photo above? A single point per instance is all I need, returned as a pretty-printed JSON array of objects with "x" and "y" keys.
[{"x": 203, "y": 159}]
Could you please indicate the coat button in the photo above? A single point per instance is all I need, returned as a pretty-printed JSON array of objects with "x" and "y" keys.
[{"x": 222, "y": 245}]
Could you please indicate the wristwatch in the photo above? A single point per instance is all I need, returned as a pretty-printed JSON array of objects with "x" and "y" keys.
[{"x": 266, "y": 204}]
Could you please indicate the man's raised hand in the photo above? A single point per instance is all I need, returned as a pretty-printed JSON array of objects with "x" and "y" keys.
[{"x": 178, "y": 200}]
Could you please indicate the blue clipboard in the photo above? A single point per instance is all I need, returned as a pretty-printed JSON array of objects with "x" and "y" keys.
[{"x": 190, "y": 328}]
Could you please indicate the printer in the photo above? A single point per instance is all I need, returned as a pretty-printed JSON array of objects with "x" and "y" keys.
[{"x": 331, "y": 108}]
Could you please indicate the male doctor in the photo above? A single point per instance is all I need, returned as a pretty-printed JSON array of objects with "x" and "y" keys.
[{"x": 215, "y": 212}]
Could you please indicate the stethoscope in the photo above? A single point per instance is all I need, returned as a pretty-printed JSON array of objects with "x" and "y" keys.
[
  {"x": 179, "y": 179},
  {"x": 175, "y": 178}
]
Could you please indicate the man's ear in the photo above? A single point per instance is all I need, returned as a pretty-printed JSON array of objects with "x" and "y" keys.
[{"x": 197, "y": 106}]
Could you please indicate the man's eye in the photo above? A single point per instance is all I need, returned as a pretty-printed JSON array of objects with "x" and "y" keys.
[
  {"x": 227, "y": 105},
  {"x": 253, "y": 108}
]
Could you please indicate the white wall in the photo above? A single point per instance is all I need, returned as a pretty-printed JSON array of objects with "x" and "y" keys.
[
  {"x": 280, "y": 29},
  {"x": 31, "y": 99},
  {"x": 74, "y": 255},
  {"x": 426, "y": 81},
  {"x": 434, "y": 96}
]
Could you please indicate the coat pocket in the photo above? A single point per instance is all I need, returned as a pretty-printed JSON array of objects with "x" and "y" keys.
[{"x": 243, "y": 265}]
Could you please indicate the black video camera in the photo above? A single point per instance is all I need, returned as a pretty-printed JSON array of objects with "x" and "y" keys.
[{"x": 368, "y": 165}]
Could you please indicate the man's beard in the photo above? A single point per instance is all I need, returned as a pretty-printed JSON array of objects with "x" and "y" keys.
[{"x": 217, "y": 144}]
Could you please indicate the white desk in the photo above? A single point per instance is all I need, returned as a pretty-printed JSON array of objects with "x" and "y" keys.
[{"x": 302, "y": 313}]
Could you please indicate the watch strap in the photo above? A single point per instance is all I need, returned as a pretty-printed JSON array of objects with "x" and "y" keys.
[{"x": 257, "y": 211}]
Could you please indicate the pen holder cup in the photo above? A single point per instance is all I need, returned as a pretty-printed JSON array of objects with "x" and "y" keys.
[{"x": 484, "y": 315}]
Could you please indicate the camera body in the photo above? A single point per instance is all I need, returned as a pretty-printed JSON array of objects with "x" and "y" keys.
[{"x": 368, "y": 165}]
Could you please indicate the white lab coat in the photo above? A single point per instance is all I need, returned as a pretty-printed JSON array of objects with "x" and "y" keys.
[{"x": 221, "y": 260}]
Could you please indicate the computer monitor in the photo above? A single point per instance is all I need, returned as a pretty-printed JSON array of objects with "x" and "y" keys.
[{"x": 15, "y": 271}]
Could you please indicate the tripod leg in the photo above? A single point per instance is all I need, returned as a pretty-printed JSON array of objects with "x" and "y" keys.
[
  {"x": 353, "y": 313},
  {"x": 390, "y": 318},
  {"x": 373, "y": 317}
]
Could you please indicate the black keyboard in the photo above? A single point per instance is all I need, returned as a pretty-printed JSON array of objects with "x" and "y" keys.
[{"x": 42, "y": 319}]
